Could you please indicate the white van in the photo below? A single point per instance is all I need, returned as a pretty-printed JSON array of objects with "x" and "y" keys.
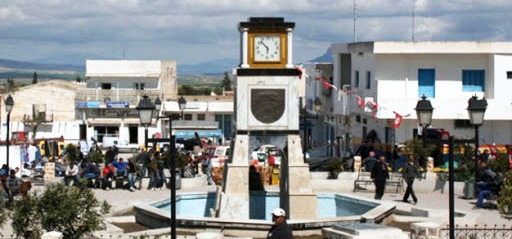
[{"x": 123, "y": 145}]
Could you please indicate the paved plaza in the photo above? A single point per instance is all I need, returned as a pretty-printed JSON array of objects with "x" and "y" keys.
[{"x": 434, "y": 201}]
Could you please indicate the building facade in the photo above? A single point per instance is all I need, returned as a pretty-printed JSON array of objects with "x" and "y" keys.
[{"x": 390, "y": 77}]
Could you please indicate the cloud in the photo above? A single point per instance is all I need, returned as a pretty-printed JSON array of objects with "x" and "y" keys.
[{"x": 191, "y": 31}]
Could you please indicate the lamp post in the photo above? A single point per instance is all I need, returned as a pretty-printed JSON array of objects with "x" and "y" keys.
[
  {"x": 145, "y": 108},
  {"x": 476, "y": 111},
  {"x": 9, "y": 103},
  {"x": 182, "y": 103},
  {"x": 146, "y": 113},
  {"x": 424, "y": 111}
]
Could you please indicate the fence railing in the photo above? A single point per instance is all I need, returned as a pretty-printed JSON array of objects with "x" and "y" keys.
[{"x": 479, "y": 232}]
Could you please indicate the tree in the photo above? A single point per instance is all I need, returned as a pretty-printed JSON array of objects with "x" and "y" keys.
[
  {"x": 226, "y": 82},
  {"x": 505, "y": 199},
  {"x": 78, "y": 79},
  {"x": 34, "y": 78},
  {"x": 33, "y": 123},
  {"x": 11, "y": 85},
  {"x": 3, "y": 211},
  {"x": 73, "y": 211}
]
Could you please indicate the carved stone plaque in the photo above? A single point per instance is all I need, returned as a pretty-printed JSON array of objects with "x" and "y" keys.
[{"x": 267, "y": 105}]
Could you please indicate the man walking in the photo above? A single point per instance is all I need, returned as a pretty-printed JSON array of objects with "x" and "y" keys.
[
  {"x": 379, "y": 176},
  {"x": 410, "y": 172}
]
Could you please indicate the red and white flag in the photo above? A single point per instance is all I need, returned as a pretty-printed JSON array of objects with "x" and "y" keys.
[
  {"x": 360, "y": 102},
  {"x": 327, "y": 85},
  {"x": 398, "y": 120}
]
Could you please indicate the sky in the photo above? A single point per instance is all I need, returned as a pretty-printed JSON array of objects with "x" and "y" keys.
[{"x": 195, "y": 31}]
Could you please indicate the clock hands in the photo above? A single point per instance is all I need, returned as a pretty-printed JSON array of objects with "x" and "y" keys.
[{"x": 262, "y": 43}]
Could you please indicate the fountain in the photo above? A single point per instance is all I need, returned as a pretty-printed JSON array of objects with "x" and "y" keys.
[{"x": 266, "y": 112}]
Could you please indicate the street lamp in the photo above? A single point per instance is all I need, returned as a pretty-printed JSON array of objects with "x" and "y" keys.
[
  {"x": 182, "y": 103},
  {"x": 476, "y": 111},
  {"x": 145, "y": 108},
  {"x": 9, "y": 103},
  {"x": 318, "y": 104},
  {"x": 144, "y": 114},
  {"x": 424, "y": 112}
]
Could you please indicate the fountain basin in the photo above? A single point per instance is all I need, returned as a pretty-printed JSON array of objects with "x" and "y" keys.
[{"x": 193, "y": 210}]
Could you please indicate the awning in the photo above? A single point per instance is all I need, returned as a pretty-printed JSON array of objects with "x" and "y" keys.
[
  {"x": 113, "y": 121},
  {"x": 172, "y": 106},
  {"x": 220, "y": 107},
  {"x": 187, "y": 134}
]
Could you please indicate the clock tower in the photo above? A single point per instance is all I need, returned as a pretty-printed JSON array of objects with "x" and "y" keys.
[{"x": 266, "y": 112}]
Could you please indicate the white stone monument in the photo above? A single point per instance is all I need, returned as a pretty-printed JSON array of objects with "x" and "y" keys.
[{"x": 267, "y": 111}]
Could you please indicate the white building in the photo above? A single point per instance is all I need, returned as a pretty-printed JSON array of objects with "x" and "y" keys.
[
  {"x": 394, "y": 75},
  {"x": 114, "y": 87}
]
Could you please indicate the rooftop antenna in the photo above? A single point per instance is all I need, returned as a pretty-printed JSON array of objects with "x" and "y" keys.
[
  {"x": 355, "y": 18},
  {"x": 413, "y": 9}
]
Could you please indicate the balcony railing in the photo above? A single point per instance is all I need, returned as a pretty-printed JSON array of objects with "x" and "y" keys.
[{"x": 126, "y": 95}]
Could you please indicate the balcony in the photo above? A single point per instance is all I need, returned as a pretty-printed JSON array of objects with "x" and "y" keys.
[{"x": 125, "y": 95}]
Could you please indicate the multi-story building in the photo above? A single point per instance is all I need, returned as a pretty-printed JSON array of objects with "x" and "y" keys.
[
  {"x": 392, "y": 76},
  {"x": 106, "y": 107}
]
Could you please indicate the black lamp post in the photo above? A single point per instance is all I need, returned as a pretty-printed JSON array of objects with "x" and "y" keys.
[
  {"x": 476, "y": 111},
  {"x": 424, "y": 111},
  {"x": 146, "y": 114},
  {"x": 145, "y": 108},
  {"x": 182, "y": 103},
  {"x": 9, "y": 103}
]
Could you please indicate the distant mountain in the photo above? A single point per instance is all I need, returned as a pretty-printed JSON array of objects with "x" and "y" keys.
[
  {"x": 22, "y": 65},
  {"x": 326, "y": 57},
  {"x": 215, "y": 67}
]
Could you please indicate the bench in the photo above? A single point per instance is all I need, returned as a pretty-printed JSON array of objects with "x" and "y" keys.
[
  {"x": 396, "y": 180},
  {"x": 364, "y": 179}
]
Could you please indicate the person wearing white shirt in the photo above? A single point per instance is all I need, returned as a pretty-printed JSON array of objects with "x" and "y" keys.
[
  {"x": 71, "y": 173},
  {"x": 32, "y": 151}
]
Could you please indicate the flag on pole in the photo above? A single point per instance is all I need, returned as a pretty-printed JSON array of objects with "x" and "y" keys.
[
  {"x": 327, "y": 85},
  {"x": 398, "y": 120}
]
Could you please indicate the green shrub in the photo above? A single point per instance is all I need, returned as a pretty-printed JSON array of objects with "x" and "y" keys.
[
  {"x": 505, "y": 199},
  {"x": 73, "y": 211}
]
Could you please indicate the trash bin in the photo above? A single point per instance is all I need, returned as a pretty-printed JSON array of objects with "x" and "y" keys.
[
  {"x": 469, "y": 189},
  {"x": 178, "y": 180}
]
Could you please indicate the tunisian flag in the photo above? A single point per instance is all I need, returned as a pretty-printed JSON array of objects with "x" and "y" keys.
[
  {"x": 360, "y": 102},
  {"x": 398, "y": 120}
]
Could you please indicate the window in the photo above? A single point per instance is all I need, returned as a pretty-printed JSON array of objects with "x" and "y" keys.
[
  {"x": 509, "y": 75},
  {"x": 368, "y": 80},
  {"x": 358, "y": 118},
  {"x": 106, "y": 86},
  {"x": 139, "y": 86},
  {"x": 365, "y": 121},
  {"x": 427, "y": 83},
  {"x": 187, "y": 117},
  {"x": 458, "y": 124},
  {"x": 356, "y": 80},
  {"x": 473, "y": 80},
  {"x": 201, "y": 117}
]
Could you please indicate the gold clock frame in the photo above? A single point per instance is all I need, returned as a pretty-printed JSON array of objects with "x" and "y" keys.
[{"x": 283, "y": 36}]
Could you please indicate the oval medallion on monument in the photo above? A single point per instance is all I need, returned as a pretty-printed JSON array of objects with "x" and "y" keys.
[{"x": 267, "y": 105}]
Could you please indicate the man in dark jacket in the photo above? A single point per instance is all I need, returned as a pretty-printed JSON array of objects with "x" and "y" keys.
[
  {"x": 280, "y": 229},
  {"x": 410, "y": 172},
  {"x": 379, "y": 176}
]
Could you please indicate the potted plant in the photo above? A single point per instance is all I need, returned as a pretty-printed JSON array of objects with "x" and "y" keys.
[{"x": 334, "y": 167}]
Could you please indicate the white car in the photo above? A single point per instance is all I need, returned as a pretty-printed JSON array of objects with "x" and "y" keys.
[{"x": 123, "y": 145}]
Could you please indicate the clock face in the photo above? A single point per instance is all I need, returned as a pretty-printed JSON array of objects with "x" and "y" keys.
[{"x": 267, "y": 48}]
